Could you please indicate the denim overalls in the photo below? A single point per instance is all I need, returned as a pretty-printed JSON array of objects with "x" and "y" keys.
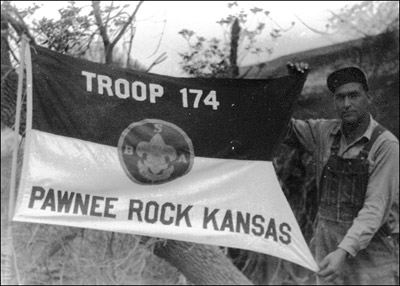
[{"x": 342, "y": 194}]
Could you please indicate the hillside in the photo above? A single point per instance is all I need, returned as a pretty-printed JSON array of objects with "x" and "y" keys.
[{"x": 378, "y": 56}]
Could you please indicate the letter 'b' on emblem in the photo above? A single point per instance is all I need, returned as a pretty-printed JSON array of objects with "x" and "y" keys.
[{"x": 154, "y": 151}]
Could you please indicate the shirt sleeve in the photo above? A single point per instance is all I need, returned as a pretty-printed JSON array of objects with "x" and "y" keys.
[
  {"x": 301, "y": 134},
  {"x": 382, "y": 192}
]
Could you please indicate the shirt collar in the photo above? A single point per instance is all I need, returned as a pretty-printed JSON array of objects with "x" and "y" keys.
[
  {"x": 371, "y": 127},
  {"x": 367, "y": 134}
]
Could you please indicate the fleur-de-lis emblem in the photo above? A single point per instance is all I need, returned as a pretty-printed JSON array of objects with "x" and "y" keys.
[
  {"x": 157, "y": 157},
  {"x": 154, "y": 151}
]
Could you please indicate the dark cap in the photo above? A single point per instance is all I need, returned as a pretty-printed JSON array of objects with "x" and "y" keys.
[{"x": 346, "y": 75}]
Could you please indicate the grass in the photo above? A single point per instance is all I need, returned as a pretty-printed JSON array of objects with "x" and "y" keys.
[{"x": 68, "y": 256}]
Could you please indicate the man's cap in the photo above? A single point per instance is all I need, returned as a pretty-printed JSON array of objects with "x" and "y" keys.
[{"x": 346, "y": 75}]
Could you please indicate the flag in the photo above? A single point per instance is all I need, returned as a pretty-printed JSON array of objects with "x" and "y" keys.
[{"x": 178, "y": 158}]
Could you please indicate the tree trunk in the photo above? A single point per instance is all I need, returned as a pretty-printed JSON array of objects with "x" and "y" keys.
[
  {"x": 235, "y": 34},
  {"x": 201, "y": 264},
  {"x": 5, "y": 55}
]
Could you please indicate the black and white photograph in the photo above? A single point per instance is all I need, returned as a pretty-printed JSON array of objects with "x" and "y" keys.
[{"x": 200, "y": 142}]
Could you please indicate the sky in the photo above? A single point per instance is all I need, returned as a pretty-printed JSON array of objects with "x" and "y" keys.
[{"x": 169, "y": 17}]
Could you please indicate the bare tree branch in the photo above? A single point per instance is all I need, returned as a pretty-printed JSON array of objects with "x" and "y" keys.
[
  {"x": 108, "y": 45},
  {"x": 109, "y": 13},
  {"x": 130, "y": 47},
  {"x": 350, "y": 24},
  {"x": 103, "y": 31},
  {"x": 128, "y": 22},
  {"x": 279, "y": 26},
  {"x": 315, "y": 30},
  {"x": 246, "y": 72},
  {"x": 159, "y": 60},
  {"x": 159, "y": 42}
]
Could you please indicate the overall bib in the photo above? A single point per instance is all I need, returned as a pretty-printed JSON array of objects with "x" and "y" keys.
[{"x": 342, "y": 194}]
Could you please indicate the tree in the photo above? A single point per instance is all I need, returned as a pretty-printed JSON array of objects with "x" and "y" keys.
[
  {"x": 73, "y": 34},
  {"x": 367, "y": 18},
  {"x": 241, "y": 38}
]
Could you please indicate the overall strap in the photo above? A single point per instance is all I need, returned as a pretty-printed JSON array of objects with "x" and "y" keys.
[{"x": 375, "y": 134}]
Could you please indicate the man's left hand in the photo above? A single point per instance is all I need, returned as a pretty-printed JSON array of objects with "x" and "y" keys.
[
  {"x": 298, "y": 67},
  {"x": 330, "y": 266}
]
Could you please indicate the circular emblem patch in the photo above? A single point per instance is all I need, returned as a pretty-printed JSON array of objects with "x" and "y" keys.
[{"x": 154, "y": 151}]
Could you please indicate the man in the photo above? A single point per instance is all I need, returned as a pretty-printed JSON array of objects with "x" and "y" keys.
[{"x": 357, "y": 169}]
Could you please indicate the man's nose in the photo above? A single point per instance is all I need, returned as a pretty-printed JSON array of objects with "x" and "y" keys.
[{"x": 346, "y": 101}]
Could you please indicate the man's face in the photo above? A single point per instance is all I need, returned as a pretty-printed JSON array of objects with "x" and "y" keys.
[{"x": 352, "y": 102}]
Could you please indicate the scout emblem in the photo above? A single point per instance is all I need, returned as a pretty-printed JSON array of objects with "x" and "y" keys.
[{"x": 154, "y": 151}]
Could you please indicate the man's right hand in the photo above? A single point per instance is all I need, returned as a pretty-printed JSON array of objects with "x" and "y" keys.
[
  {"x": 297, "y": 67},
  {"x": 332, "y": 265}
]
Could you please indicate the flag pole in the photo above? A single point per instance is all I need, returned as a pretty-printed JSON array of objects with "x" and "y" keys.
[
  {"x": 28, "y": 64},
  {"x": 8, "y": 255}
]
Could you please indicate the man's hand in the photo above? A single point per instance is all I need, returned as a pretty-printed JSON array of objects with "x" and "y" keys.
[
  {"x": 330, "y": 266},
  {"x": 298, "y": 67}
]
